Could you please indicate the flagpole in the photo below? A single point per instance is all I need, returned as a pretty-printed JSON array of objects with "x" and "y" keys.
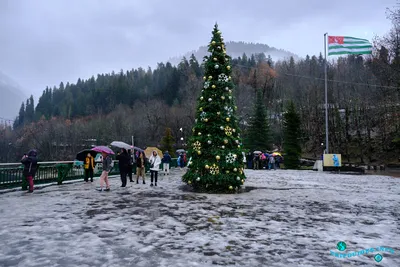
[{"x": 326, "y": 101}]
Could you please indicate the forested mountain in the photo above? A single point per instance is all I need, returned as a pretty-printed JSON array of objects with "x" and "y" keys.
[
  {"x": 237, "y": 49},
  {"x": 364, "y": 105},
  {"x": 11, "y": 97}
]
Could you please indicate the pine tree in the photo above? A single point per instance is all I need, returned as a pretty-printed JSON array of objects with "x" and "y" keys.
[
  {"x": 215, "y": 146},
  {"x": 21, "y": 115},
  {"x": 291, "y": 134},
  {"x": 167, "y": 142},
  {"x": 258, "y": 132}
]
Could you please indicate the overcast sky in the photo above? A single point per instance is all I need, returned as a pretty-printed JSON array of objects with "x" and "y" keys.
[{"x": 44, "y": 42}]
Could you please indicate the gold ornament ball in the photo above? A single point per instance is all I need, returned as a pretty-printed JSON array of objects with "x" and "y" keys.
[
  {"x": 217, "y": 157},
  {"x": 228, "y": 119},
  {"x": 210, "y": 77},
  {"x": 213, "y": 42},
  {"x": 201, "y": 109},
  {"x": 227, "y": 171},
  {"x": 204, "y": 78},
  {"x": 235, "y": 170},
  {"x": 199, "y": 152},
  {"x": 198, "y": 179},
  {"x": 225, "y": 141},
  {"x": 201, "y": 98},
  {"x": 205, "y": 120},
  {"x": 235, "y": 156},
  {"x": 242, "y": 181},
  {"x": 215, "y": 59},
  {"x": 230, "y": 78},
  {"x": 199, "y": 133},
  {"x": 230, "y": 91},
  {"x": 223, "y": 147},
  {"x": 222, "y": 97},
  {"x": 230, "y": 187},
  {"x": 228, "y": 67},
  {"x": 233, "y": 130},
  {"x": 235, "y": 107},
  {"x": 238, "y": 146},
  {"x": 189, "y": 182},
  {"x": 213, "y": 86},
  {"x": 238, "y": 178},
  {"x": 219, "y": 32},
  {"x": 221, "y": 127},
  {"x": 218, "y": 113},
  {"x": 207, "y": 167}
]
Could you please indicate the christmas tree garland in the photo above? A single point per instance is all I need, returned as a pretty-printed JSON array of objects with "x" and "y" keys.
[{"x": 215, "y": 145}]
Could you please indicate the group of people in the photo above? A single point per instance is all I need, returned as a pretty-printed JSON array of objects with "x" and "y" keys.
[
  {"x": 259, "y": 161},
  {"x": 126, "y": 160}
]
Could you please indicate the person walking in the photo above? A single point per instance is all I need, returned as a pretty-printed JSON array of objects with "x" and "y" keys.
[
  {"x": 30, "y": 167},
  {"x": 166, "y": 160},
  {"x": 155, "y": 162},
  {"x": 123, "y": 163},
  {"x": 107, "y": 166},
  {"x": 140, "y": 167},
  {"x": 89, "y": 167}
]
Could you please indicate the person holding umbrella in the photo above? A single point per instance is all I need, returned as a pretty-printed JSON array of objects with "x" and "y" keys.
[
  {"x": 124, "y": 160},
  {"x": 89, "y": 167},
  {"x": 107, "y": 165}
]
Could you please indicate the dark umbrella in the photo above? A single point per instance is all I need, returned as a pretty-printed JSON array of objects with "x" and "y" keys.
[{"x": 81, "y": 156}]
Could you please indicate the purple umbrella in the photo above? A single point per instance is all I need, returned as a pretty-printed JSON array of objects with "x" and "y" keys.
[{"x": 103, "y": 149}]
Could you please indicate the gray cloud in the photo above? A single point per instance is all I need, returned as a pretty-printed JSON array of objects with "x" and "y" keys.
[{"x": 44, "y": 42}]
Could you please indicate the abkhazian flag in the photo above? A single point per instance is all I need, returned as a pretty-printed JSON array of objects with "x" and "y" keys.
[{"x": 341, "y": 45}]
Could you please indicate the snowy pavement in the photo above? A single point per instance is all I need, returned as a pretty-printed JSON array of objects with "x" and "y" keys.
[{"x": 293, "y": 218}]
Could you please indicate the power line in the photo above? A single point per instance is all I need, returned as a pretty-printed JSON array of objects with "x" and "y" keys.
[
  {"x": 337, "y": 81},
  {"x": 365, "y": 84}
]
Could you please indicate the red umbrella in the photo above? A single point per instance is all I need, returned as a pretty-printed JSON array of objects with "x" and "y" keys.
[{"x": 103, "y": 149}]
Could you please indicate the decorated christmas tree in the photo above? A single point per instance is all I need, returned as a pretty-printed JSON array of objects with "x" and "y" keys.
[{"x": 215, "y": 146}]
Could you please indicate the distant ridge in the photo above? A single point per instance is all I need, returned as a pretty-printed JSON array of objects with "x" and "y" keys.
[
  {"x": 11, "y": 97},
  {"x": 236, "y": 49}
]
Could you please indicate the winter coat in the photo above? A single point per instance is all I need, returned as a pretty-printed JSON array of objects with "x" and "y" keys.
[
  {"x": 166, "y": 158},
  {"x": 271, "y": 160},
  {"x": 156, "y": 160},
  {"x": 89, "y": 163},
  {"x": 140, "y": 163},
  {"x": 123, "y": 162},
  {"x": 30, "y": 164},
  {"x": 107, "y": 163}
]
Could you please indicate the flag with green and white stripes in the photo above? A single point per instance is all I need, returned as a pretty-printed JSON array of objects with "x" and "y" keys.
[{"x": 341, "y": 45}]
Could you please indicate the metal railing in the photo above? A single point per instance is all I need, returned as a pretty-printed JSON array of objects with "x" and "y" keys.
[{"x": 11, "y": 174}]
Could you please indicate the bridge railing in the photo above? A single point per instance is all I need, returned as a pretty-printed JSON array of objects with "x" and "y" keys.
[{"x": 11, "y": 174}]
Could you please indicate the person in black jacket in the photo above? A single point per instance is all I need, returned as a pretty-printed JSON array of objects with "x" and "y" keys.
[
  {"x": 30, "y": 167},
  {"x": 123, "y": 163}
]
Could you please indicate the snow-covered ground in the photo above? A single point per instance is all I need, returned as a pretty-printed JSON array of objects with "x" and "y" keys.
[{"x": 294, "y": 218}]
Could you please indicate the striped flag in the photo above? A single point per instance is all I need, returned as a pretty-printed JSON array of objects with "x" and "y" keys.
[{"x": 341, "y": 45}]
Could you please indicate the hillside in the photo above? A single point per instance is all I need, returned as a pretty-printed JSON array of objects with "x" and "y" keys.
[
  {"x": 236, "y": 49},
  {"x": 11, "y": 97}
]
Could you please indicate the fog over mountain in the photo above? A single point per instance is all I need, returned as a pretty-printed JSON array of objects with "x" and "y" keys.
[
  {"x": 11, "y": 97},
  {"x": 236, "y": 49}
]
